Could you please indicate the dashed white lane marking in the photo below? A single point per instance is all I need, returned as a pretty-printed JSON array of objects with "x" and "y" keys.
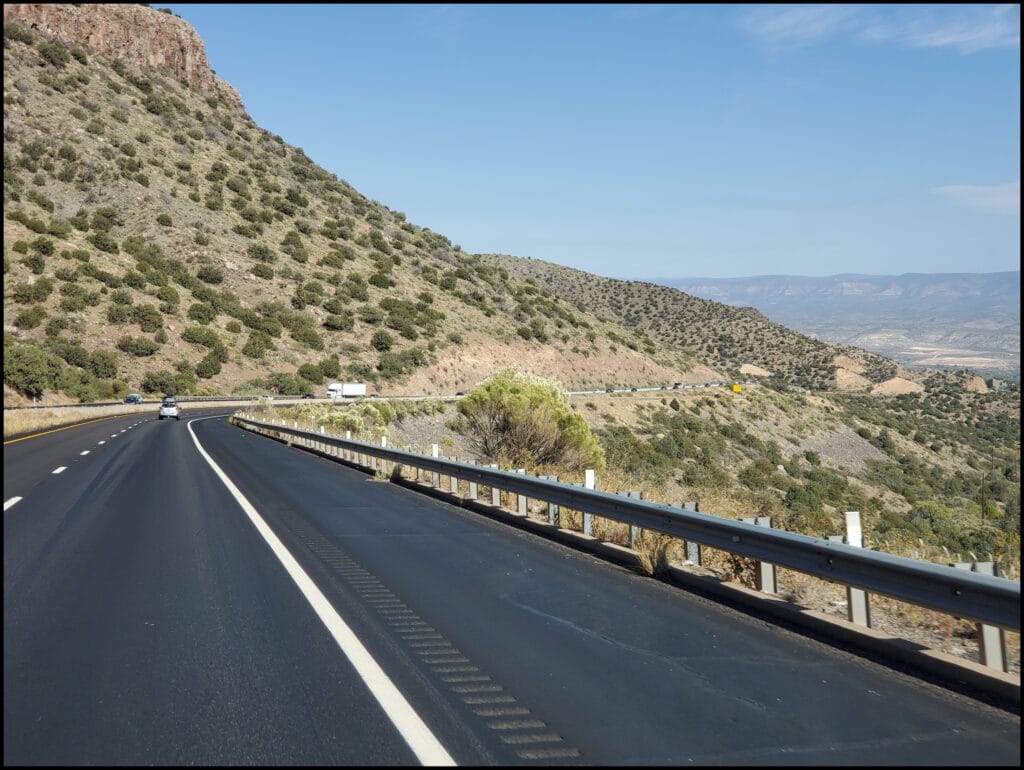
[
  {"x": 423, "y": 743},
  {"x": 61, "y": 469},
  {"x": 84, "y": 453},
  {"x": 101, "y": 442},
  {"x": 12, "y": 501}
]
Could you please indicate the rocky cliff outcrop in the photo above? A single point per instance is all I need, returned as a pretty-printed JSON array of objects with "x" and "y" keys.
[{"x": 138, "y": 35}]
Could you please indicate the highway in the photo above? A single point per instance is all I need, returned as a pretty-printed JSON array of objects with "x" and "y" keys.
[{"x": 310, "y": 614}]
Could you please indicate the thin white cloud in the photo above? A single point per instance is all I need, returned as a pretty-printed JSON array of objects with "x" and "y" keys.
[
  {"x": 1000, "y": 198},
  {"x": 789, "y": 26},
  {"x": 967, "y": 29}
]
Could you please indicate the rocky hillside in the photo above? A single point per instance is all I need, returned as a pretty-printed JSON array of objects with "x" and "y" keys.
[
  {"x": 157, "y": 235},
  {"x": 734, "y": 340}
]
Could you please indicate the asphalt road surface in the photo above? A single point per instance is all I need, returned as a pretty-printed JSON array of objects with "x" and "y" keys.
[{"x": 316, "y": 616}]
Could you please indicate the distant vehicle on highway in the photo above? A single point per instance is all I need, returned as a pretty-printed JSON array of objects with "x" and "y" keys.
[
  {"x": 133, "y": 398},
  {"x": 460, "y": 393},
  {"x": 309, "y": 395},
  {"x": 169, "y": 409},
  {"x": 609, "y": 390},
  {"x": 632, "y": 390}
]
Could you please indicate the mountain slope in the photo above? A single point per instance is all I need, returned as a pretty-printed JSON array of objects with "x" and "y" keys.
[
  {"x": 724, "y": 337},
  {"x": 152, "y": 217},
  {"x": 940, "y": 319}
]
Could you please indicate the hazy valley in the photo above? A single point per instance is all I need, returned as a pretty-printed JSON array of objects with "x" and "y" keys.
[{"x": 965, "y": 320}]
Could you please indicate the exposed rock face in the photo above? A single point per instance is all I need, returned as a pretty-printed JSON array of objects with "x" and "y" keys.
[
  {"x": 847, "y": 380},
  {"x": 897, "y": 386},
  {"x": 756, "y": 371},
  {"x": 137, "y": 35}
]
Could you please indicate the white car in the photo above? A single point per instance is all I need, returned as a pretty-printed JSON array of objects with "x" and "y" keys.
[{"x": 169, "y": 409}]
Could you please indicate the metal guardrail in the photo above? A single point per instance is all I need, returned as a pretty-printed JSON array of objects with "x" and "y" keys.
[{"x": 969, "y": 595}]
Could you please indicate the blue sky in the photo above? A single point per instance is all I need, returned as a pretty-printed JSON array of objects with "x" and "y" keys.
[{"x": 657, "y": 141}]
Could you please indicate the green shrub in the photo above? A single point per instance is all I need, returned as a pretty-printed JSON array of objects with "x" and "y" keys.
[
  {"x": 42, "y": 246},
  {"x": 343, "y": 322},
  {"x": 381, "y": 340},
  {"x": 311, "y": 373},
  {"x": 330, "y": 366},
  {"x": 263, "y": 271},
  {"x": 147, "y": 317},
  {"x": 30, "y": 370},
  {"x": 54, "y": 52},
  {"x": 35, "y": 263},
  {"x": 138, "y": 346},
  {"x": 201, "y": 335},
  {"x": 104, "y": 242},
  {"x": 164, "y": 220},
  {"x": 103, "y": 363},
  {"x": 118, "y": 314},
  {"x": 261, "y": 253},
  {"x": 525, "y": 421},
  {"x": 27, "y": 294},
  {"x": 308, "y": 336},
  {"x": 158, "y": 382},
  {"x": 202, "y": 313},
  {"x": 30, "y": 317},
  {"x": 258, "y": 344},
  {"x": 13, "y": 31},
  {"x": 209, "y": 366},
  {"x": 210, "y": 274}
]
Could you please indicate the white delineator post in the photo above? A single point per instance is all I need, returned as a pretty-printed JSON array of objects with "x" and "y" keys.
[{"x": 858, "y": 608}]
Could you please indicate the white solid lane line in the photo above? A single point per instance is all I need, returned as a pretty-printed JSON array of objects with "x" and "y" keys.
[
  {"x": 9, "y": 503},
  {"x": 417, "y": 735},
  {"x": 61, "y": 469}
]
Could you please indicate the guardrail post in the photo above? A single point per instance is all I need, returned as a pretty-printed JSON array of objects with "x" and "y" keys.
[
  {"x": 765, "y": 574},
  {"x": 589, "y": 482},
  {"x": 692, "y": 549},
  {"x": 858, "y": 607},
  {"x": 991, "y": 639},
  {"x": 553, "y": 515},
  {"x": 384, "y": 463},
  {"x": 495, "y": 492},
  {"x": 453, "y": 481},
  {"x": 521, "y": 501},
  {"x": 473, "y": 493},
  {"x": 435, "y": 476},
  {"x": 347, "y": 454},
  {"x": 634, "y": 531}
]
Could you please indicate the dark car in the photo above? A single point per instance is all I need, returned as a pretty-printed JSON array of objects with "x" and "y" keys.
[
  {"x": 632, "y": 390},
  {"x": 461, "y": 393},
  {"x": 309, "y": 395},
  {"x": 133, "y": 398},
  {"x": 609, "y": 390}
]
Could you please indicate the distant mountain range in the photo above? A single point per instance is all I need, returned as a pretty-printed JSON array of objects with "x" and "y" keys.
[{"x": 919, "y": 319}]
